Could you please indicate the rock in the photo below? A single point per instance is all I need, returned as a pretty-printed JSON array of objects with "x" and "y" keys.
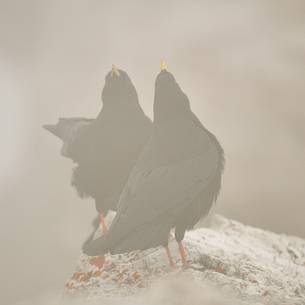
[{"x": 249, "y": 264}]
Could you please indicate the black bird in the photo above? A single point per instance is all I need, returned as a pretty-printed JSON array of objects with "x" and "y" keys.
[
  {"x": 106, "y": 148},
  {"x": 174, "y": 183}
]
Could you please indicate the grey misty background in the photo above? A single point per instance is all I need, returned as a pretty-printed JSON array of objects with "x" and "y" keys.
[{"x": 242, "y": 64}]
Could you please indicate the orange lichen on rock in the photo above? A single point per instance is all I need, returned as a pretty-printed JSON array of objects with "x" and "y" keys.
[
  {"x": 97, "y": 273},
  {"x": 86, "y": 277},
  {"x": 77, "y": 275},
  {"x": 136, "y": 275}
]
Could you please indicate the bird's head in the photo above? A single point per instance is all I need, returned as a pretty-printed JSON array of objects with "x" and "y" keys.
[
  {"x": 169, "y": 100},
  {"x": 118, "y": 88}
]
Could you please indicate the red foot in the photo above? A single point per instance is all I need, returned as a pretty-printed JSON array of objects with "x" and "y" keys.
[{"x": 97, "y": 261}]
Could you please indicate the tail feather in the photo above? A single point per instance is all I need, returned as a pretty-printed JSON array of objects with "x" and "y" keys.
[
  {"x": 95, "y": 224},
  {"x": 149, "y": 236},
  {"x": 95, "y": 247}
]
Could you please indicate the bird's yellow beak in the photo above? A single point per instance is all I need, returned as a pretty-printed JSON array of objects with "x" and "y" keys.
[
  {"x": 115, "y": 70},
  {"x": 163, "y": 65}
]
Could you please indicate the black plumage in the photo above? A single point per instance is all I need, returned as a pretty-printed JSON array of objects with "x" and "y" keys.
[
  {"x": 106, "y": 148},
  {"x": 175, "y": 181}
]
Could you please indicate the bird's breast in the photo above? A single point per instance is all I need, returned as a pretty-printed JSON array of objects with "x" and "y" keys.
[{"x": 177, "y": 140}]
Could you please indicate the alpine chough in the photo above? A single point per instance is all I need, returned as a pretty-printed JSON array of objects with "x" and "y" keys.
[{"x": 106, "y": 148}]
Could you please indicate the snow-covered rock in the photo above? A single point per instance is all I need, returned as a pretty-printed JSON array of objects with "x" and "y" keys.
[{"x": 252, "y": 265}]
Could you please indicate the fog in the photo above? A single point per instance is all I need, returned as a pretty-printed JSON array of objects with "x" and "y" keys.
[{"x": 241, "y": 63}]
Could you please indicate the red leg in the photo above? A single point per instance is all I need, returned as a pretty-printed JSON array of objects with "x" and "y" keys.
[
  {"x": 103, "y": 223},
  {"x": 182, "y": 253},
  {"x": 99, "y": 261},
  {"x": 169, "y": 256}
]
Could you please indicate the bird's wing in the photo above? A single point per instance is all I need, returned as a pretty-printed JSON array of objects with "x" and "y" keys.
[
  {"x": 68, "y": 130},
  {"x": 66, "y": 127},
  {"x": 168, "y": 189}
]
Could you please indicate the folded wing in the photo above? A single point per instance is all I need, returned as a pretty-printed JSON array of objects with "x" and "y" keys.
[
  {"x": 151, "y": 200},
  {"x": 68, "y": 130}
]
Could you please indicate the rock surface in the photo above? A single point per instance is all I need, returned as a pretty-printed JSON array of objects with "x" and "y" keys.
[{"x": 252, "y": 265}]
